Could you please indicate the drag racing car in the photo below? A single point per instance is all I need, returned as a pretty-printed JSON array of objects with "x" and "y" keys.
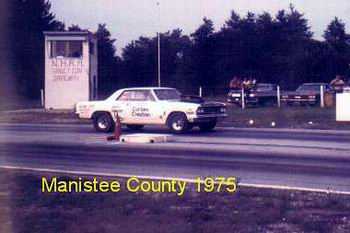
[
  {"x": 260, "y": 94},
  {"x": 305, "y": 94},
  {"x": 137, "y": 107}
]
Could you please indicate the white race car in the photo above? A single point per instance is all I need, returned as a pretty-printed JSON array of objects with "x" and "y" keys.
[{"x": 137, "y": 107}]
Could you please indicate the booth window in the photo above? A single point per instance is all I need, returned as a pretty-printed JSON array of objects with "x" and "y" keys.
[{"x": 73, "y": 49}]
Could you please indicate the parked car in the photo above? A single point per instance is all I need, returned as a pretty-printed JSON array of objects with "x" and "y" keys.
[
  {"x": 137, "y": 107},
  {"x": 260, "y": 94},
  {"x": 305, "y": 94}
]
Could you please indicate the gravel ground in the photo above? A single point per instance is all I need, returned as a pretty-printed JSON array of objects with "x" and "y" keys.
[
  {"x": 23, "y": 208},
  {"x": 262, "y": 117}
]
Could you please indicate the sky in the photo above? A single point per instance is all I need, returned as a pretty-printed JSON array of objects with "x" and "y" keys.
[{"x": 127, "y": 20}]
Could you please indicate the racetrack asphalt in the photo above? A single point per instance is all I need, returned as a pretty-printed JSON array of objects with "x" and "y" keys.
[{"x": 284, "y": 158}]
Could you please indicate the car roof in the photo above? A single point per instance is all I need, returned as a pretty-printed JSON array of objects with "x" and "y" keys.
[{"x": 120, "y": 91}]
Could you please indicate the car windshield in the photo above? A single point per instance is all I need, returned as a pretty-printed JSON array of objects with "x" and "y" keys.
[
  {"x": 167, "y": 94},
  {"x": 309, "y": 88},
  {"x": 264, "y": 87}
]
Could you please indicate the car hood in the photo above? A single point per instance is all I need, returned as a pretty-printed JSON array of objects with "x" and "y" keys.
[
  {"x": 180, "y": 103},
  {"x": 235, "y": 91},
  {"x": 212, "y": 104},
  {"x": 300, "y": 93},
  {"x": 262, "y": 92}
]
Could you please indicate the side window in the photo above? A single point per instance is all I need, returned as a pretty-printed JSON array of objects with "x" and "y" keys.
[
  {"x": 138, "y": 95},
  {"x": 144, "y": 96},
  {"x": 125, "y": 96}
]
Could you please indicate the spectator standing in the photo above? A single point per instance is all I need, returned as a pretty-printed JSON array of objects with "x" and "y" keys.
[
  {"x": 235, "y": 83},
  {"x": 254, "y": 82},
  {"x": 245, "y": 83},
  {"x": 338, "y": 84}
]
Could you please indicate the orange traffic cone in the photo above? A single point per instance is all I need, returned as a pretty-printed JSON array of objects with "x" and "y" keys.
[{"x": 117, "y": 130}]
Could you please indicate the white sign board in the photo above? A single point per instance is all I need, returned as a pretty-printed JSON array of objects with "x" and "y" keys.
[{"x": 343, "y": 107}]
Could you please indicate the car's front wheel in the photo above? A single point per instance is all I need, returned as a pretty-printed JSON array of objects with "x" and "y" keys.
[
  {"x": 207, "y": 126},
  {"x": 178, "y": 123},
  {"x": 103, "y": 122}
]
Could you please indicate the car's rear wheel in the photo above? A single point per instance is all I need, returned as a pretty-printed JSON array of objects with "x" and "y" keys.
[
  {"x": 135, "y": 127},
  {"x": 103, "y": 122},
  {"x": 207, "y": 126},
  {"x": 178, "y": 123}
]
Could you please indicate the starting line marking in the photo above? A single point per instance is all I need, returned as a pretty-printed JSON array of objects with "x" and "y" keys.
[{"x": 89, "y": 173}]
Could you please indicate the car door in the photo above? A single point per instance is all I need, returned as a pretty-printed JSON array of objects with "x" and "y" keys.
[
  {"x": 141, "y": 107},
  {"x": 124, "y": 106},
  {"x": 156, "y": 113},
  {"x": 121, "y": 106}
]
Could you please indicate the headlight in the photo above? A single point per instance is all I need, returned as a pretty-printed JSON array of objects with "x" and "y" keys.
[
  {"x": 223, "y": 110},
  {"x": 312, "y": 97},
  {"x": 200, "y": 110},
  {"x": 251, "y": 95},
  {"x": 284, "y": 96}
]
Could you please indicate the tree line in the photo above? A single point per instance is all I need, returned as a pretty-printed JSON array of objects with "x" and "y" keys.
[{"x": 276, "y": 48}]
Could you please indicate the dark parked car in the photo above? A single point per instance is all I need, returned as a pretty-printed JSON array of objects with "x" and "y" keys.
[
  {"x": 306, "y": 94},
  {"x": 260, "y": 94}
]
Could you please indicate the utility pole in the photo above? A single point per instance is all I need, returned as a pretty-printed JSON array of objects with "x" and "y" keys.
[{"x": 158, "y": 35}]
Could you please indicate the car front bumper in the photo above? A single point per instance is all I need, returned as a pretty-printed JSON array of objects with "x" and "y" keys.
[
  {"x": 237, "y": 100},
  {"x": 207, "y": 117}
]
